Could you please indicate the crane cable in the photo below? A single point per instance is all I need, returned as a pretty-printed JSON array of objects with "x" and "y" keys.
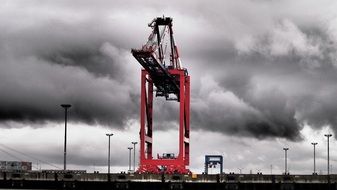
[{"x": 29, "y": 156}]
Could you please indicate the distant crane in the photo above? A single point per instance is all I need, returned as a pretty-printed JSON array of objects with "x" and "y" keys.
[{"x": 164, "y": 71}]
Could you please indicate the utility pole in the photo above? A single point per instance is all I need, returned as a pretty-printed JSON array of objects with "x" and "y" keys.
[
  {"x": 66, "y": 107},
  {"x": 285, "y": 160},
  {"x": 134, "y": 156},
  {"x": 314, "y": 143},
  {"x": 130, "y": 148},
  {"x": 109, "y": 135},
  {"x": 328, "y": 136}
]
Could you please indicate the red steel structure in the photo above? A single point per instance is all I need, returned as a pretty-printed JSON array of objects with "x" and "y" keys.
[{"x": 164, "y": 75}]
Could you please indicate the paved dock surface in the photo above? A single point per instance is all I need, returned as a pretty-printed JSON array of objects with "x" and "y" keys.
[{"x": 94, "y": 181}]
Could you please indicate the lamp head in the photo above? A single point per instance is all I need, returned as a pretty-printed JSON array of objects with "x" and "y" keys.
[{"x": 65, "y": 105}]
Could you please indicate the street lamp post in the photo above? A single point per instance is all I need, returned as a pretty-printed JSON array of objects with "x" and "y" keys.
[
  {"x": 109, "y": 135},
  {"x": 134, "y": 156},
  {"x": 130, "y": 148},
  {"x": 314, "y": 143},
  {"x": 328, "y": 136},
  {"x": 285, "y": 160},
  {"x": 66, "y": 107}
]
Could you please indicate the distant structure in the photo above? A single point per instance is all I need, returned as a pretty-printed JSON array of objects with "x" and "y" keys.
[
  {"x": 15, "y": 166},
  {"x": 211, "y": 161},
  {"x": 163, "y": 74},
  {"x": 64, "y": 171}
]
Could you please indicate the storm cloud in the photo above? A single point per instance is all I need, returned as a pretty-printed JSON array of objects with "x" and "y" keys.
[
  {"x": 46, "y": 64},
  {"x": 258, "y": 68}
]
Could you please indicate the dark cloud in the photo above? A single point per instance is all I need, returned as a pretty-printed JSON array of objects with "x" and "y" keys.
[
  {"x": 39, "y": 87},
  {"x": 258, "y": 68},
  {"x": 44, "y": 65},
  {"x": 272, "y": 86}
]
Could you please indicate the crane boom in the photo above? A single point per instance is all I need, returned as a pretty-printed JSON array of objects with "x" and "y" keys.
[{"x": 152, "y": 56}]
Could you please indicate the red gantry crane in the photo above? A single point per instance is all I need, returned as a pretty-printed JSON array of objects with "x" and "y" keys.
[{"x": 163, "y": 74}]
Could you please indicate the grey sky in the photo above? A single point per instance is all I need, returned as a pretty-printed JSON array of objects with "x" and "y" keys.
[{"x": 259, "y": 69}]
